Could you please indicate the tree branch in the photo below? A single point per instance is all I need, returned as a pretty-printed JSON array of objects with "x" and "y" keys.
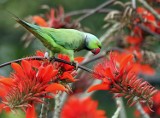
[
  {"x": 119, "y": 107},
  {"x": 133, "y": 4},
  {"x": 84, "y": 11},
  {"x": 43, "y": 58},
  {"x": 44, "y": 109},
  {"x": 57, "y": 107},
  {"x": 140, "y": 109},
  {"x": 95, "y": 10},
  {"x": 146, "y": 29}
]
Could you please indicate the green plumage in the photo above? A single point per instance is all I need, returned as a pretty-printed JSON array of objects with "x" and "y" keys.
[{"x": 65, "y": 41}]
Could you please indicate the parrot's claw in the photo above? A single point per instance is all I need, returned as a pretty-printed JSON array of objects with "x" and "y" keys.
[
  {"x": 75, "y": 64},
  {"x": 46, "y": 55}
]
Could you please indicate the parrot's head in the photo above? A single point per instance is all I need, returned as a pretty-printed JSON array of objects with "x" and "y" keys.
[{"x": 92, "y": 43}]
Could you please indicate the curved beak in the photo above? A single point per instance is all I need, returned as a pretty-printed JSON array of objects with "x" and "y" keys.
[{"x": 96, "y": 51}]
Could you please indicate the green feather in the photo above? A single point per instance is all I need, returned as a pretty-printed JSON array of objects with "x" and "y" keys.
[{"x": 68, "y": 38}]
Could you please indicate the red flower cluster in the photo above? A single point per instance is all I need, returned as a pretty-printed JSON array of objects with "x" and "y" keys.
[
  {"x": 81, "y": 108},
  {"x": 33, "y": 80},
  {"x": 118, "y": 77},
  {"x": 139, "y": 68},
  {"x": 137, "y": 38},
  {"x": 56, "y": 19},
  {"x": 147, "y": 19}
]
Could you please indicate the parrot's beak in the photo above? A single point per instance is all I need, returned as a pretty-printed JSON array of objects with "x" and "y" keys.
[{"x": 96, "y": 51}]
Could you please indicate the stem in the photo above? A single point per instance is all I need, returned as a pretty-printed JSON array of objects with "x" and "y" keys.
[
  {"x": 122, "y": 112},
  {"x": 95, "y": 10},
  {"x": 18, "y": 60},
  {"x": 43, "y": 58},
  {"x": 94, "y": 58},
  {"x": 84, "y": 11},
  {"x": 140, "y": 109},
  {"x": 57, "y": 107},
  {"x": 44, "y": 109},
  {"x": 119, "y": 107},
  {"x": 148, "y": 30},
  {"x": 133, "y": 4}
]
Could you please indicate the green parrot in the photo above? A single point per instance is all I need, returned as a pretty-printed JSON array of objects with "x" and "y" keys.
[{"x": 65, "y": 41}]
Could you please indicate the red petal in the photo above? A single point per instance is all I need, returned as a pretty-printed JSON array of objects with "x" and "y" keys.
[
  {"x": 68, "y": 77},
  {"x": 47, "y": 73},
  {"x": 39, "y": 53},
  {"x": 6, "y": 81},
  {"x": 99, "y": 87},
  {"x": 125, "y": 60},
  {"x": 79, "y": 59},
  {"x": 51, "y": 75},
  {"x": 18, "y": 69},
  {"x": 55, "y": 87},
  {"x": 40, "y": 21},
  {"x": 26, "y": 67},
  {"x": 31, "y": 113},
  {"x": 35, "y": 63},
  {"x": 40, "y": 72}
]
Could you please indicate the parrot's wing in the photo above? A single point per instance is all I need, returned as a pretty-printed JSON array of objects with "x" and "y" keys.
[{"x": 68, "y": 38}]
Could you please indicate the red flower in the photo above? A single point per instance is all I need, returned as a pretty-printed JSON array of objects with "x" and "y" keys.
[
  {"x": 133, "y": 40},
  {"x": 33, "y": 80},
  {"x": 28, "y": 84},
  {"x": 148, "y": 18},
  {"x": 55, "y": 18},
  {"x": 138, "y": 67},
  {"x": 119, "y": 77},
  {"x": 66, "y": 58},
  {"x": 81, "y": 108},
  {"x": 143, "y": 69},
  {"x": 40, "y": 21}
]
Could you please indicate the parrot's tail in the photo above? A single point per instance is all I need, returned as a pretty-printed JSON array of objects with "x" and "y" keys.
[{"x": 30, "y": 27}]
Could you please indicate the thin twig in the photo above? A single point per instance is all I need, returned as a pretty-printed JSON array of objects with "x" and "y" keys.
[
  {"x": 146, "y": 29},
  {"x": 18, "y": 60},
  {"x": 133, "y": 4},
  {"x": 57, "y": 107},
  {"x": 44, "y": 109},
  {"x": 149, "y": 8},
  {"x": 95, "y": 10},
  {"x": 140, "y": 109},
  {"x": 101, "y": 55},
  {"x": 42, "y": 58},
  {"x": 84, "y": 11},
  {"x": 119, "y": 108}
]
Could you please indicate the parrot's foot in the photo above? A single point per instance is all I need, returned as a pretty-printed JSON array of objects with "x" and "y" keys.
[
  {"x": 46, "y": 55},
  {"x": 75, "y": 64}
]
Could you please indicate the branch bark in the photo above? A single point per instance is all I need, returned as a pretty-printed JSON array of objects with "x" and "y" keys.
[{"x": 95, "y": 10}]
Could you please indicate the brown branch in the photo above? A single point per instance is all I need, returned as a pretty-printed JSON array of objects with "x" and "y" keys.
[
  {"x": 84, "y": 11},
  {"x": 18, "y": 60},
  {"x": 146, "y": 29},
  {"x": 96, "y": 9},
  {"x": 43, "y": 58}
]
